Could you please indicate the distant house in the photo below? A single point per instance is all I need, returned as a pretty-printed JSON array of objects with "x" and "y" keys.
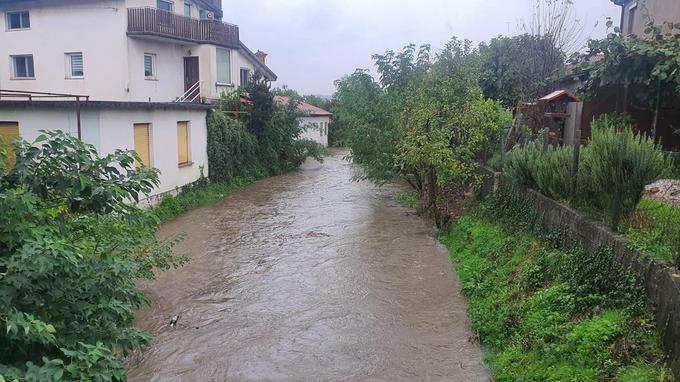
[
  {"x": 122, "y": 74},
  {"x": 636, "y": 14},
  {"x": 315, "y": 122}
]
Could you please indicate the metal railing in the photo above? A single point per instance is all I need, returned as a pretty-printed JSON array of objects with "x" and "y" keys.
[
  {"x": 161, "y": 23},
  {"x": 193, "y": 94}
]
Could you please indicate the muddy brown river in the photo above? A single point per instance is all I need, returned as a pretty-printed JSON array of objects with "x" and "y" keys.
[{"x": 308, "y": 277}]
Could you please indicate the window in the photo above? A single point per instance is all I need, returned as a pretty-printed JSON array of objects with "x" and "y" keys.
[
  {"x": 187, "y": 9},
  {"x": 150, "y": 66},
  {"x": 632, "y": 11},
  {"x": 183, "y": 152},
  {"x": 9, "y": 131},
  {"x": 74, "y": 65},
  {"x": 142, "y": 137},
  {"x": 164, "y": 5},
  {"x": 223, "y": 66},
  {"x": 22, "y": 67},
  {"x": 245, "y": 76},
  {"x": 18, "y": 20}
]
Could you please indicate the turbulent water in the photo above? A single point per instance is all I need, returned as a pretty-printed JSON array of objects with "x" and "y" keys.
[{"x": 308, "y": 277}]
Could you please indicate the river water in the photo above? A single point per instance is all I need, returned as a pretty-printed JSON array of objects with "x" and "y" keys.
[{"x": 308, "y": 277}]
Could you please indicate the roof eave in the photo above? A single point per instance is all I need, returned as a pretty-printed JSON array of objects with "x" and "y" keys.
[{"x": 268, "y": 73}]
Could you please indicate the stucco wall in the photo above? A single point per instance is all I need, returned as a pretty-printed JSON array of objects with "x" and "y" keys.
[
  {"x": 658, "y": 11},
  {"x": 315, "y": 133},
  {"x": 113, "y": 62},
  {"x": 112, "y": 129}
]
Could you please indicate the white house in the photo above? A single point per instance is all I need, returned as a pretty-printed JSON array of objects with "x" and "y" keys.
[
  {"x": 315, "y": 122},
  {"x": 122, "y": 74}
]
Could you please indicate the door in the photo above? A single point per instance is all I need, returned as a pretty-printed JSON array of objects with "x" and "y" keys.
[{"x": 191, "y": 79}]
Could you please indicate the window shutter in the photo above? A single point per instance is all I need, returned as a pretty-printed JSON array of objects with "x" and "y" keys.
[
  {"x": 182, "y": 142},
  {"x": 9, "y": 131},
  {"x": 143, "y": 143}
]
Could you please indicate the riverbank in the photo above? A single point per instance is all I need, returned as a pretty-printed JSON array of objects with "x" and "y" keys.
[{"x": 545, "y": 310}]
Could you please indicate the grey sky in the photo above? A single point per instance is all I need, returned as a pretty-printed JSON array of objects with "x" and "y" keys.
[{"x": 311, "y": 43}]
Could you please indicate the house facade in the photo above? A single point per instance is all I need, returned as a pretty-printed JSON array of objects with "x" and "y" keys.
[
  {"x": 122, "y": 74},
  {"x": 314, "y": 123},
  {"x": 636, "y": 14}
]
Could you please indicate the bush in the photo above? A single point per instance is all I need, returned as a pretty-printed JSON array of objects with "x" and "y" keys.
[
  {"x": 615, "y": 168},
  {"x": 547, "y": 170},
  {"x": 232, "y": 150},
  {"x": 71, "y": 253}
]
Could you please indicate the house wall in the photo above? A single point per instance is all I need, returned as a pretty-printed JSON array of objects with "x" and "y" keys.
[
  {"x": 316, "y": 132},
  {"x": 112, "y": 129},
  {"x": 113, "y": 62},
  {"x": 658, "y": 11}
]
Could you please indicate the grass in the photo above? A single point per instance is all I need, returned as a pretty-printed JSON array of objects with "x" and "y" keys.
[
  {"x": 199, "y": 195},
  {"x": 407, "y": 199},
  {"x": 546, "y": 311},
  {"x": 654, "y": 228}
]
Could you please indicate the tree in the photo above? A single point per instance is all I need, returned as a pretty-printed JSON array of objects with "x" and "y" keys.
[
  {"x": 71, "y": 252},
  {"x": 519, "y": 68}
]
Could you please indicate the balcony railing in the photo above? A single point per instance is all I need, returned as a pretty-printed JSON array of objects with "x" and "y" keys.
[{"x": 160, "y": 23}]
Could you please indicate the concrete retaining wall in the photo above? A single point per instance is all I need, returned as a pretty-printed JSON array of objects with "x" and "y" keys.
[{"x": 662, "y": 284}]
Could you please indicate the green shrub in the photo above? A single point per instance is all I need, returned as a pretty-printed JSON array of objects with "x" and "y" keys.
[
  {"x": 615, "y": 168},
  {"x": 546, "y": 170},
  {"x": 71, "y": 253},
  {"x": 232, "y": 150}
]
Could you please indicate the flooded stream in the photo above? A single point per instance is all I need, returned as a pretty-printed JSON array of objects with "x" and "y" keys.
[{"x": 308, "y": 277}]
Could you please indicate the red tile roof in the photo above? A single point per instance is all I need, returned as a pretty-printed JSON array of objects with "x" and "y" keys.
[{"x": 304, "y": 107}]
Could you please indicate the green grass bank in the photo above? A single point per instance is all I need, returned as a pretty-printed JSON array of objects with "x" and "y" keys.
[{"x": 543, "y": 308}]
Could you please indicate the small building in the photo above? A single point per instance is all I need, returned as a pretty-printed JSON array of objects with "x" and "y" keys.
[
  {"x": 315, "y": 122},
  {"x": 146, "y": 71}
]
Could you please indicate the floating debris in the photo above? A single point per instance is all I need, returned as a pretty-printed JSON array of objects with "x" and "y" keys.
[{"x": 174, "y": 320}]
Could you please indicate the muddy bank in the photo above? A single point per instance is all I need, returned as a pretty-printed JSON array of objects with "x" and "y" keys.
[{"x": 308, "y": 277}]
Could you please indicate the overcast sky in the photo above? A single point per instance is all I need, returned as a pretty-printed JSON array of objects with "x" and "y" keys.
[{"x": 311, "y": 43}]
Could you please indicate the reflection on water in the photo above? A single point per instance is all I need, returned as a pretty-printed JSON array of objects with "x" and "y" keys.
[{"x": 308, "y": 277}]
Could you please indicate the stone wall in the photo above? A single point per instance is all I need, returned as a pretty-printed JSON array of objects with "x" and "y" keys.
[{"x": 662, "y": 284}]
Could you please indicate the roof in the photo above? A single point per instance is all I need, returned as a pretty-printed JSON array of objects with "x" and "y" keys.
[
  {"x": 268, "y": 74},
  {"x": 558, "y": 94},
  {"x": 306, "y": 108}
]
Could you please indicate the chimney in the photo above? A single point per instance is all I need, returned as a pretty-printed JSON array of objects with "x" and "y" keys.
[{"x": 261, "y": 56}]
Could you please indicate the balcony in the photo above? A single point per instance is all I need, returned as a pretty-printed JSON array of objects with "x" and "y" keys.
[{"x": 159, "y": 23}]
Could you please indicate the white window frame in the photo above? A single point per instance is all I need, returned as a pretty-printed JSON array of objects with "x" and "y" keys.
[
  {"x": 185, "y": 5},
  {"x": 22, "y": 28},
  {"x": 154, "y": 69},
  {"x": 68, "y": 57},
  {"x": 240, "y": 77},
  {"x": 13, "y": 66},
  {"x": 231, "y": 81}
]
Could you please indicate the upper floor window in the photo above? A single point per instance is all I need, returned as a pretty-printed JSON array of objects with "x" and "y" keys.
[
  {"x": 632, "y": 12},
  {"x": 187, "y": 9},
  {"x": 245, "y": 76},
  {"x": 150, "y": 66},
  {"x": 18, "y": 20},
  {"x": 223, "y": 66},
  {"x": 164, "y": 5},
  {"x": 22, "y": 67},
  {"x": 74, "y": 65}
]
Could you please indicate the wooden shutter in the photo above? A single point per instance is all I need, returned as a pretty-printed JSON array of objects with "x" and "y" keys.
[
  {"x": 9, "y": 131},
  {"x": 143, "y": 143},
  {"x": 183, "y": 142}
]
